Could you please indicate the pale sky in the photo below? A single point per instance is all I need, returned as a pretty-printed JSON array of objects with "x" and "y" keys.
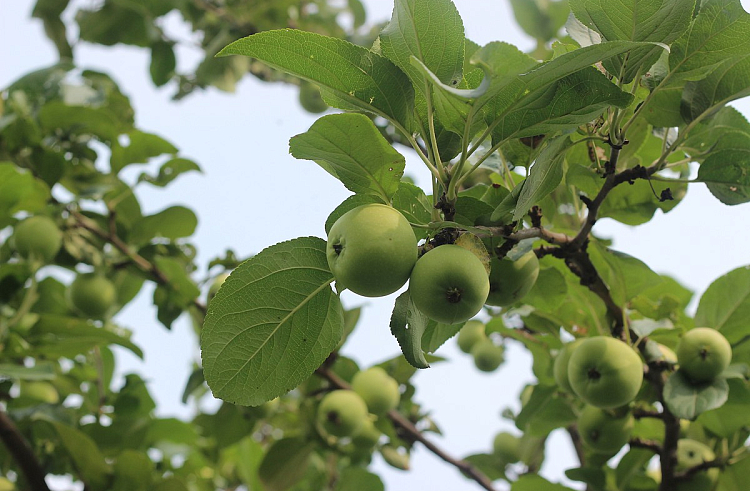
[{"x": 253, "y": 194}]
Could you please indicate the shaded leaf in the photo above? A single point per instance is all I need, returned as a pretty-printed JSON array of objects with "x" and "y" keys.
[
  {"x": 408, "y": 325},
  {"x": 725, "y": 306},
  {"x": 285, "y": 463},
  {"x": 688, "y": 401}
]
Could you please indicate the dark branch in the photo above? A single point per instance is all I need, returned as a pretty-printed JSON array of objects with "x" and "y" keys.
[
  {"x": 703, "y": 466},
  {"x": 639, "y": 413},
  {"x": 22, "y": 453},
  {"x": 652, "y": 445},
  {"x": 408, "y": 427}
]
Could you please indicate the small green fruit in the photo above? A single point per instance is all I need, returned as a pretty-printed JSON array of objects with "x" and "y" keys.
[
  {"x": 92, "y": 294},
  {"x": 342, "y": 413},
  {"x": 449, "y": 284},
  {"x": 215, "y": 285},
  {"x": 691, "y": 453},
  {"x": 703, "y": 353},
  {"x": 38, "y": 236},
  {"x": 506, "y": 447},
  {"x": 510, "y": 281},
  {"x": 310, "y": 98},
  {"x": 560, "y": 368},
  {"x": 605, "y": 372},
  {"x": 371, "y": 250},
  {"x": 378, "y": 389},
  {"x": 602, "y": 432},
  {"x": 470, "y": 334},
  {"x": 487, "y": 355},
  {"x": 40, "y": 391},
  {"x": 368, "y": 435}
]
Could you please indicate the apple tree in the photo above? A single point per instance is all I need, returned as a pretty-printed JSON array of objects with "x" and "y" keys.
[{"x": 525, "y": 152}]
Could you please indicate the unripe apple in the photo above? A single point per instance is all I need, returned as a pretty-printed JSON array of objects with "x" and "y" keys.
[
  {"x": 510, "y": 281},
  {"x": 487, "y": 355},
  {"x": 470, "y": 334},
  {"x": 603, "y": 432},
  {"x": 691, "y": 453},
  {"x": 342, "y": 413},
  {"x": 40, "y": 390},
  {"x": 560, "y": 368},
  {"x": 310, "y": 98},
  {"x": 605, "y": 372},
  {"x": 92, "y": 294},
  {"x": 38, "y": 236},
  {"x": 368, "y": 436},
  {"x": 378, "y": 389},
  {"x": 506, "y": 447},
  {"x": 703, "y": 353},
  {"x": 216, "y": 284},
  {"x": 371, "y": 250},
  {"x": 449, "y": 284}
]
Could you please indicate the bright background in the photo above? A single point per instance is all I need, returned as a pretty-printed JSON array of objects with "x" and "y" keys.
[{"x": 253, "y": 194}]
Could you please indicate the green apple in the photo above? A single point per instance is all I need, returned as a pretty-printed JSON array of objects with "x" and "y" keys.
[
  {"x": 310, "y": 98},
  {"x": 449, "y": 284},
  {"x": 560, "y": 368},
  {"x": 470, "y": 334},
  {"x": 92, "y": 294},
  {"x": 703, "y": 353},
  {"x": 506, "y": 447},
  {"x": 368, "y": 436},
  {"x": 38, "y": 236},
  {"x": 691, "y": 453},
  {"x": 215, "y": 285},
  {"x": 371, "y": 250},
  {"x": 487, "y": 355},
  {"x": 378, "y": 389},
  {"x": 342, "y": 413},
  {"x": 510, "y": 281},
  {"x": 605, "y": 372},
  {"x": 40, "y": 390},
  {"x": 603, "y": 432}
]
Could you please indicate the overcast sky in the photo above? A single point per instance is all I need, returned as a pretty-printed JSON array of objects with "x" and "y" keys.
[{"x": 253, "y": 194}]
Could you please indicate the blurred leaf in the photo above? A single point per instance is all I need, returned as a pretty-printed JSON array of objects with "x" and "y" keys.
[
  {"x": 115, "y": 22},
  {"x": 87, "y": 459},
  {"x": 725, "y": 306},
  {"x": 73, "y": 335},
  {"x": 162, "y": 62},
  {"x": 40, "y": 371},
  {"x": 540, "y": 20},
  {"x": 544, "y": 412},
  {"x": 533, "y": 482},
  {"x": 285, "y": 463},
  {"x": 727, "y": 420},
  {"x": 19, "y": 191},
  {"x": 258, "y": 343},
  {"x": 359, "y": 479},
  {"x": 171, "y": 223},
  {"x": 140, "y": 148},
  {"x": 170, "y": 171}
]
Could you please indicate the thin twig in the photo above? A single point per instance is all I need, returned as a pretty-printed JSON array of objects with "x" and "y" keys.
[
  {"x": 652, "y": 445},
  {"x": 407, "y": 426}
]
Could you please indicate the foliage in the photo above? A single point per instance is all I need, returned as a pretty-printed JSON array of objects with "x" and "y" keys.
[{"x": 635, "y": 94}]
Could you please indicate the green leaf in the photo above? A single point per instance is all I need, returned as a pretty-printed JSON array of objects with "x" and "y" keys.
[
  {"x": 40, "y": 371},
  {"x": 725, "y": 306},
  {"x": 658, "y": 21},
  {"x": 408, "y": 325},
  {"x": 549, "y": 291},
  {"x": 115, "y": 22},
  {"x": 182, "y": 289},
  {"x": 81, "y": 120},
  {"x": 545, "y": 175},
  {"x": 631, "y": 466},
  {"x": 411, "y": 201},
  {"x": 357, "y": 78},
  {"x": 534, "y": 482},
  {"x": 625, "y": 275},
  {"x": 141, "y": 147},
  {"x": 730, "y": 418},
  {"x": 727, "y": 129},
  {"x": 285, "y": 463},
  {"x": 352, "y": 149},
  {"x": 272, "y": 323},
  {"x": 736, "y": 476},
  {"x": 688, "y": 401},
  {"x": 76, "y": 335},
  {"x": 163, "y": 62},
  {"x": 437, "y": 333},
  {"x": 359, "y": 479},
  {"x": 636, "y": 204},
  {"x": 540, "y": 19},
  {"x": 169, "y": 171},
  {"x": 349, "y": 203},
  {"x": 19, "y": 191},
  {"x": 544, "y": 412},
  {"x": 172, "y": 223},
  {"x": 565, "y": 104},
  {"x": 727, "y": 175},
  {"x": 716, "y": 36},
  {"x": 87, "y": 459},
  {"x": 432, "y": 32},
  {"x": 488, "y": 464},
  {"x": 133, "y": 470},
  {"x": 170, "y": 430}
]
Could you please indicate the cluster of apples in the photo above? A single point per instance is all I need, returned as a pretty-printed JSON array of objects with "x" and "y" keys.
[
  {"x": 372, "y": 251},
  {"x": 38, "y": 238},
  {"x": 473, "y": 339},
  {"x": 352, "y": 413}
]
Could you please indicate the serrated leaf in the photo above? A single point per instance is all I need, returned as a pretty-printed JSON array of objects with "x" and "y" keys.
[
  {"x": 432, "y": 32},
  {"x": 437, "y": 333},
  {"x": 350, "y": 148},
  {"x": 408, "y": 325},
  {"x": 726, "y": 173},
  {"x": 725, "y": 306},
  {"x": 544, "y": 176},
  {"x": 688, "y": 401},
  {"x": 272, "y": 323},
  {"x": 356, "y": 76},
  {"x": 660, "y": 21},
  {"x": 285, "y": 463}
]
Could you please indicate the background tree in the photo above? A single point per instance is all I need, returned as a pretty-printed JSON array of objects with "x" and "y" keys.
[{"x": 579, "y": 134}]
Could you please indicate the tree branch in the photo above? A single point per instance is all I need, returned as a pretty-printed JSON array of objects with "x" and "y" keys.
[
  {"x": 407, "y": 426},
  {"x": 652, "y": 445},
  {"x": 703, "y": 466},
  {"x": 22, "y": 453}
]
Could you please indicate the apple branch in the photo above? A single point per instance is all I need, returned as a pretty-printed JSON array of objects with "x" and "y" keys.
[
  {"x": 22, "y": 453},
  {"x": 703, "y": 466},
  {"x": 144, "y": 264},
  {"x": 652, "y": 445},
  {"x": 400, "y": 421}
]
